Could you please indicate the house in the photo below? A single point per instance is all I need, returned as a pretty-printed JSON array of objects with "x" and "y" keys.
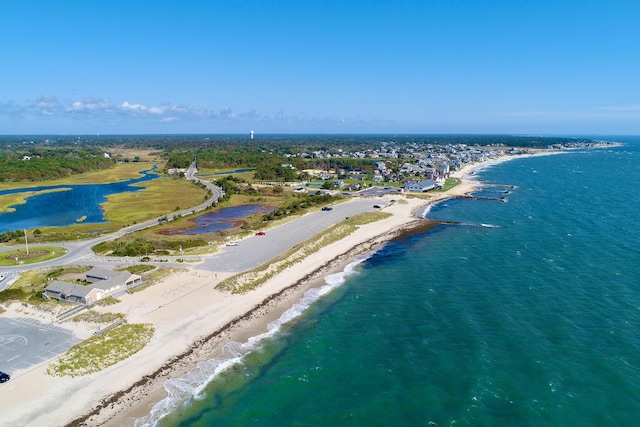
[
  {"x": 102, "y": 283},
  {"x": 176, "y": 171},
  {"x": 443, "y": 170},
  {"x": 421, "y": 186}
]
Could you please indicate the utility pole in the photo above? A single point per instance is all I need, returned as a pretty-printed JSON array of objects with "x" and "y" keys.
[{"x": 25, "y": 241}]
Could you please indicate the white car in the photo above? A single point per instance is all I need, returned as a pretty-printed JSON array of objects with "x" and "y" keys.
[
  {"x": 232, "y": 243},
  {"x": 1, "y": 277}
]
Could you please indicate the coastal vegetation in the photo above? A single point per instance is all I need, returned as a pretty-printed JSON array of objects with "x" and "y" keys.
[
  {"x": 249, "y": 280},
  {"x": 449, "y": 183},
  {"x": 101, "y": 351},
  {"x": 167, "y": 238},
  {"x": 267, "y": 166},
  {"x": 159, "y": 197},
  {"x": 31, "y": 283}
]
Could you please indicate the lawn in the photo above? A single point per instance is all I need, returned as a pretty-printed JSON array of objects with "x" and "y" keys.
[{"x": 36, "y": 254}]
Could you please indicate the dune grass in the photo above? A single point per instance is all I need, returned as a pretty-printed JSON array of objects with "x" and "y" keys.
[
  {"x": 101, "y": 351},
  {"x": 246, "y": 281}
]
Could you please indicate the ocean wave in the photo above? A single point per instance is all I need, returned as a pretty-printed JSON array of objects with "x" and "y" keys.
[{"x": 191, "y": 386}]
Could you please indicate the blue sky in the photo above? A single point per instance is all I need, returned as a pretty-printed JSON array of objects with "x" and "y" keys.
[{"x": 121, "y": 67}]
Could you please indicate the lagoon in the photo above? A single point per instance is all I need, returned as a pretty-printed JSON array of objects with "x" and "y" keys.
[{"x": 66, "y": 205}]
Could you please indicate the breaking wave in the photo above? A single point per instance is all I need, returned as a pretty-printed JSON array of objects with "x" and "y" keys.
[{"x": 190, "y": 386}]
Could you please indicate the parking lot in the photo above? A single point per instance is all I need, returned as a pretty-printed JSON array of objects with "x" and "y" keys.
[{"x": 25, "y": 343}]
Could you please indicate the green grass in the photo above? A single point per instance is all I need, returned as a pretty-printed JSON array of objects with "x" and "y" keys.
[
  {"x": 36, "y": 254},
  {"x": 159, "y": 197},
  {"x": 101, "y": 351},
  {"x": 449, "y": 183},
  {"x": 31, "y": 284}
]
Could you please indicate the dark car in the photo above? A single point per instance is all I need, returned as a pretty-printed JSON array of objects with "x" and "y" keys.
[
  {"x": 376, "y": 206},
  {"x": 4, "y": 377},
  {"x": 260, "y": 233},
  {"x": 327, "y": 208}
]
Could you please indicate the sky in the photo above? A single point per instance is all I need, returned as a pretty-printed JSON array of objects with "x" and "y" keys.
[{"x": 560, "y": 67}]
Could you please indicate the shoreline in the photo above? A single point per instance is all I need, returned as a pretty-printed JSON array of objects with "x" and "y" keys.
[
  {"x": 246, "y": 326},
  {"x": 189, "y": 309}
]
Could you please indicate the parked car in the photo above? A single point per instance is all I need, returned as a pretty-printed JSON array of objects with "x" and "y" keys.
[
  {"x": 4, "y": 377},
  {"x": 327, "y": 208},
  {"x": 260, "y": 233},
  {"x": 232, "y": 243}
]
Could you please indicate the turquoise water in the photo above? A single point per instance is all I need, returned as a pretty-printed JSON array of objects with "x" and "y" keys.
[{"x": 527, "y": 314}]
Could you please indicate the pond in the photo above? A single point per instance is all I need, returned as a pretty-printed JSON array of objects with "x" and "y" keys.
[
  {"x": 222, "y": 219},
  {"x": 67, "y": 205}
]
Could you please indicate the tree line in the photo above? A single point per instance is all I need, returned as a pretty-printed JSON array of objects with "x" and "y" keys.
[{"x": 44, "y": 164}]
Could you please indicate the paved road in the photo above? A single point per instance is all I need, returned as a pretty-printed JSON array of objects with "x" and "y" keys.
[
  {"x": 252, "y": 252},
  {"x": 24, "y": 343},
  {"x": 257, "y": 250},
  {"x": 80, "y": 251}
]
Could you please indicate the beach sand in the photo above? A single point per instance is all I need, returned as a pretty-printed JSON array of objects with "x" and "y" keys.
[{"x": 193, "y": 321}]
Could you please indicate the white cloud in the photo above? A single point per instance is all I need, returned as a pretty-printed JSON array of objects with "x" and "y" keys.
[
  {"x": 98, "y": 112},
  {"x": 135, "y": 107},
  {"x": 89, "y": 105}
]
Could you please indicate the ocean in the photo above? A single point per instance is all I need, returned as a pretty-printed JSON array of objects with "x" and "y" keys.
[{"x": 523, "y": 313}]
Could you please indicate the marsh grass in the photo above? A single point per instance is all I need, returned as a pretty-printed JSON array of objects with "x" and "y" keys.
[{"x": 159, "y": 197}]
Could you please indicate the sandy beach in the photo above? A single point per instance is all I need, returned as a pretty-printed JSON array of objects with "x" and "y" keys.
[{"x": 193, "y": 321}]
